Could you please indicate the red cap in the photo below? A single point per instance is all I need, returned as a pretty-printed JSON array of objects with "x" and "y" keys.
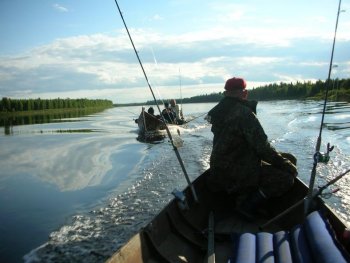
[{"x": 235, "y": 84}]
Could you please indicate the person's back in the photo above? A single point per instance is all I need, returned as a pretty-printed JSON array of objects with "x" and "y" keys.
[
  {"x": 168, "y": 114},
  {"x": 150, "y": 110},
  {"x": 177, "y": 110},
  {"x": 241, "y": 150},
  {"x": 232, "y": 153}
]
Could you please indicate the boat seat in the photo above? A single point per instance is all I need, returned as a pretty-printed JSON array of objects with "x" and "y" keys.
[{"x": 310, "y": 242}]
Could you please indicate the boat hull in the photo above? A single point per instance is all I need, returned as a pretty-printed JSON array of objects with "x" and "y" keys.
[
  {"x": 152, "y": 128},
  {"x": 179, "y": 234}
]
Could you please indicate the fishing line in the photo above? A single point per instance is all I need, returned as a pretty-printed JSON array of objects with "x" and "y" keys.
[
  {"x": 197, "y": 117},
  {"x": 318, "y": 155},
  {"x": 155, "y": 100},
  {"x": 154, "y": 57},
  {"x": 125, "y": 110},
  {"x": 156, "y": 63},
  {"x": 173, "y": 121}
]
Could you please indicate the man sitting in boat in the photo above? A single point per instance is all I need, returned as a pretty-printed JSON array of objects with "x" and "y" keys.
[
  {"x": 243, "y": 162},
  {"x": 151, "y": 111},
  {"x": 168, "y": 114},
  {"x": 178, "y": 111}
]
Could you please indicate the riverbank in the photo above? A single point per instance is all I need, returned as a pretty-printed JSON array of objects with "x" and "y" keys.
[{"x": 51, "y": 111}]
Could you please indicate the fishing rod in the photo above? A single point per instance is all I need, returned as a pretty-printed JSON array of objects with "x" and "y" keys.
[
  {"x": 155, "y": 100},
  {"x": 318, "y": 156}
]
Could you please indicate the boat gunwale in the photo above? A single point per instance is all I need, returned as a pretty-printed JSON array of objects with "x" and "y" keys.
[{"x": 337, "y": 223}]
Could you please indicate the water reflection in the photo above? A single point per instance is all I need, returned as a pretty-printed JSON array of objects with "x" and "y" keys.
[
  {"x": 83, "y": 130},
  {"x": 68, "y": 164},
  {"x": 8, "y": 122},
  {"x": 50, "y": 170}
]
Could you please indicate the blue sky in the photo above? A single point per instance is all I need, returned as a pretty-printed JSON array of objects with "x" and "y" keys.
[{"x": 76, "y": 49}]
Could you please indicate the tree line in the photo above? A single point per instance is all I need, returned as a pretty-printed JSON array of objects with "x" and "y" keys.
[
  {"x": 339, "y": 90},
  {"x": 20, "y": 105},
  {"x": 214, "y": 97}
]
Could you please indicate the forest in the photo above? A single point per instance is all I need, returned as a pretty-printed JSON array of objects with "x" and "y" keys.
[
  {"x": 8, "y": 105},
  {"x": 339, "y": 90}
]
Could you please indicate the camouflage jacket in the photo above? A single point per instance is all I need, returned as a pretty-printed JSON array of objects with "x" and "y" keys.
[{"x": 239, "y": 146}]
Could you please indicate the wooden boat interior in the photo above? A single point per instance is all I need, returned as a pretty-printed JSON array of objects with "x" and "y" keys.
[{"x": 209, "y": 230}]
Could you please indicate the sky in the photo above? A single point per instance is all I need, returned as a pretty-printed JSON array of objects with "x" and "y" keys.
[{"x": 80, "y": 49}]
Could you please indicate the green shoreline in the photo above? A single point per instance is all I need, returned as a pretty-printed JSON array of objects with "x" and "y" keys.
[{"x": 51, "y": 111}]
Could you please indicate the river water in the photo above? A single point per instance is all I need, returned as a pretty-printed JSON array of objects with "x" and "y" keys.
[{"x": 76, "y": 189}]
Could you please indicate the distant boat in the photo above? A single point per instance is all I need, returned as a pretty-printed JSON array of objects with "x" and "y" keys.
[
  {"x": 151, "y": 127},
  {"x": 210, "y": 230}
]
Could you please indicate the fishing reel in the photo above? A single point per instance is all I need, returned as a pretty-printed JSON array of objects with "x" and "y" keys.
[
  {"x": 181, "y": 199},
  {"x": 328, "y": 194},
  {"x": 321, "y": 157}
]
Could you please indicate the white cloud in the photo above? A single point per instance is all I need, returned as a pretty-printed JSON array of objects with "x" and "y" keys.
[
  {"x": 89, "y": 64},
  {"x": 110, "y": 72},
  {"x": 157, "y": 17},
  {"x": 259, "y": 60},
  {"x": 60, "y": 8},
  {"x": 293, "y": 78},
  {"x": 314, "y": 64}
]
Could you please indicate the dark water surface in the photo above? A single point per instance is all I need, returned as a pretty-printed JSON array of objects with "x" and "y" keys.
[{"x": 77, "y": 190}]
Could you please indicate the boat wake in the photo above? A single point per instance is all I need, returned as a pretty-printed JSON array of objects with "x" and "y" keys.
[{"x": 94, "y": 236}]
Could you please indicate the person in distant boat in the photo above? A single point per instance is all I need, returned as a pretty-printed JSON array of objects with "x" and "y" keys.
[
  {"x": 243, "y": 162},
  {"x": 168, "y": 114},
  {"x": 151, "y": 111},
  {"x": 178, "y": 111}
]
